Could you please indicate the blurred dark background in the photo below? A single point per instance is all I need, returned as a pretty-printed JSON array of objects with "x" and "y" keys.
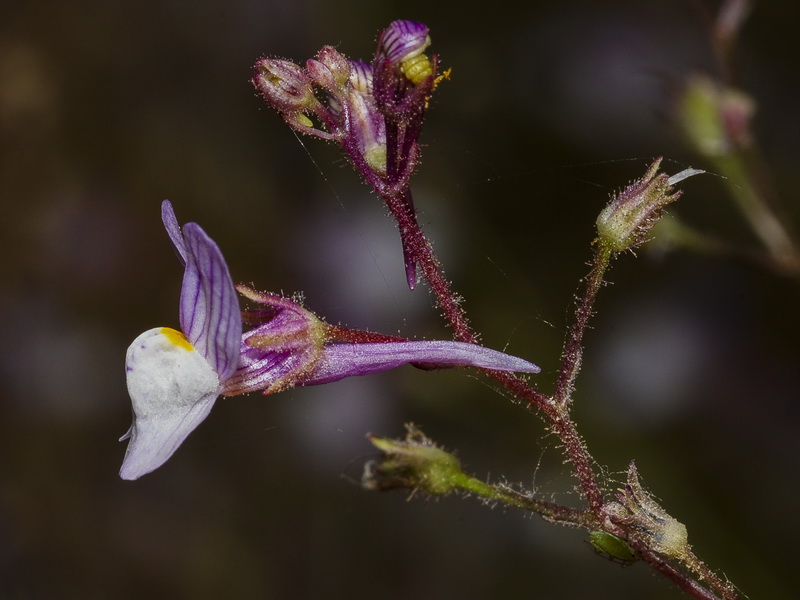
[{"x": 106, "y": 108}]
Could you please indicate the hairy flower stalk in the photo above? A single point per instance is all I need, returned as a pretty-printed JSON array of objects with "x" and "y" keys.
[
  {"x": 175, "y": 377},
  {"x": 622, "y": 225},
  {"x": 416, "y": 463}
]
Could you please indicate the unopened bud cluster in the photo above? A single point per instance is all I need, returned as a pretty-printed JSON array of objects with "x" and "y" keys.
[{"x": 373, "y": 110}]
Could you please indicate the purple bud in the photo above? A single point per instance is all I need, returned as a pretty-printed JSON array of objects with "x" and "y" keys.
[
  {"x": 330, "y": 69},
  {"x": 403, "y": 40},
  {"x": 284, "y": 85},
  {"x": 367, "y": 125}
]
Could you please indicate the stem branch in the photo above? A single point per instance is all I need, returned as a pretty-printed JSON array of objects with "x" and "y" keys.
[{"x": 572, "y": 356}]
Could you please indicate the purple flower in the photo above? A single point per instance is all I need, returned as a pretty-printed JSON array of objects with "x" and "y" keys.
[{"x": 174, "y": 377}]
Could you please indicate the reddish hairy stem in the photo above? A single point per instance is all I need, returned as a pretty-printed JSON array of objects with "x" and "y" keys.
[
  {"x": 421, "y": 251},
  {"x": 564, "y": 427},
  {"x": 688, "y": 584},
  {"x": 560, "y": 423},
  {"x": 572, "y": 356},
  {"x": 724, "y": 589},
  {"x": 555, "y": 410}
]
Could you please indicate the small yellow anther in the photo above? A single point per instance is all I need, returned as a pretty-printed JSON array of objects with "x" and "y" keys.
[{"x": 442, "y": 77}]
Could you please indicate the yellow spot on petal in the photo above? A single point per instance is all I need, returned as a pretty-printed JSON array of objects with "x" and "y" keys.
[{"x": 177, "y": 338}]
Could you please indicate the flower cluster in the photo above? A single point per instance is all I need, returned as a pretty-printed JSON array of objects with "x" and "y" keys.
[
  {"x": 175, "y": 377},
  {"x": 373, "y": 111}
]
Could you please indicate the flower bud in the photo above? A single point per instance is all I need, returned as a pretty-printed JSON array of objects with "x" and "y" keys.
[
  {"x": 415, "y": 463},
  {"x": 626, "y": 219},
  {"x": 284, "y": 85},
  {"x": 367, "y": 123},
  {"x": 330, "y": 69},
  {"x": 715, "y": 119},
  {"x": 404, "y": 43},
  {"x": 403, "y": 40}
]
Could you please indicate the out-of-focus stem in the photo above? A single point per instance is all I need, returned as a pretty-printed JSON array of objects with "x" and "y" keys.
[{"x": 769, "y": 228}]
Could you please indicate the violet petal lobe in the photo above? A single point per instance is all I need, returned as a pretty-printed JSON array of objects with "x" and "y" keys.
[
  {"x": 403, "y": 40},
  {"x": 209, "y": 311},
  {"x": 346, "y": 360},
  {"x": 173, "y": 229}
]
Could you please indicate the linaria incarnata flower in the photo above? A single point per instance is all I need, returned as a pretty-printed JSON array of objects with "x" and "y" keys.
[{"x": 174, "y": 377}]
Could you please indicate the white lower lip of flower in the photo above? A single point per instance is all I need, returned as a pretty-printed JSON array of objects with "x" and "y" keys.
[{"x": 172, "y": 389}]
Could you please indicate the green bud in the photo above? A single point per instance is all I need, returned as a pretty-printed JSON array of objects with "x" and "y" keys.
[
  {"x": 415, "y": 463},
  {"x": 715, "y": 119},
  {"x": 628, "y": 217}
]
